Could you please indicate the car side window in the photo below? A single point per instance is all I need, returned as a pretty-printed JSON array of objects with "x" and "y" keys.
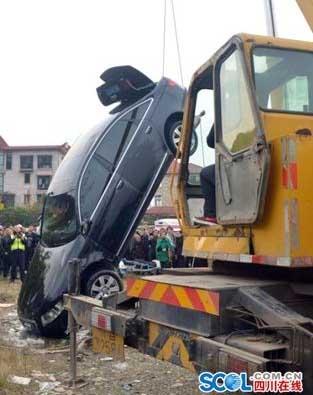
[{"x": 105, "y": 159}]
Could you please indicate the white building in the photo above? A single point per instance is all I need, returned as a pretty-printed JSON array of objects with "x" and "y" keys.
[{"x": 26, "y": 171}]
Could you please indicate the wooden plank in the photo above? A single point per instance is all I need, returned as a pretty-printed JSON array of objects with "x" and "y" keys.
[{"x": 108, "y": 343}]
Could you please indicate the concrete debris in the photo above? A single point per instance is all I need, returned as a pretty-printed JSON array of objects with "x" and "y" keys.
[
  {"x": 6, "y": 305},
  {"x": 176, "y": 385},
  {"x": 121, "y": 365},
  {"x": 106, "y": 359},
  {"x": 37, "y": 374},
  {"x": 101, "y": 373},
  {"x": 35, "y": 341},
  {"x": 84, "y": 344},
  {"x": 127, "y": 387},
  {"x": 19, "y": 380},
  {"x": 12, "y": 314},
  {"x": 60, "y": 390},
  {"x": 48, "y": 386}
]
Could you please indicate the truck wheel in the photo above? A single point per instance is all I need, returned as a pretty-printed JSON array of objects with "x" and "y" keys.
[
  {"x": 173, "y": 135},
  {"x": 102, "y": 283}
]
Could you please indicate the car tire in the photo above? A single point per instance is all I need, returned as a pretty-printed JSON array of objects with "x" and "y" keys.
[
  {"x": 103, "y": 282},
  {"x": 173, "y": 134}
]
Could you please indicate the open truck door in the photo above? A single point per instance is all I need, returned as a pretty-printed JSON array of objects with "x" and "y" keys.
[
  {"x": 222, "y": 89},
  {"x": 241, "y": 152}
]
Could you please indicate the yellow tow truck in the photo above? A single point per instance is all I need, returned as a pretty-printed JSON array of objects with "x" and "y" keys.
[{"x": 250, "y": 309}]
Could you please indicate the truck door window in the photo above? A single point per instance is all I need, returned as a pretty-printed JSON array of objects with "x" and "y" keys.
[
  {"x": 105, "y": 159},
  {"x": 203, "y": 156},
  {"x": 283, "y": 79},
  {"x": 203, "y": 122},
  {"x": 237, "y": 123}
]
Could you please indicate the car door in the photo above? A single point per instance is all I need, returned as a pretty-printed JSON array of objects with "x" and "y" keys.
[
  {"x": 119, "y": 177},
  {"x": 242, "y": 154}
]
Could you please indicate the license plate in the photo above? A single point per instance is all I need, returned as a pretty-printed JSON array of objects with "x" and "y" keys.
[{"x": 108, "y": 343}]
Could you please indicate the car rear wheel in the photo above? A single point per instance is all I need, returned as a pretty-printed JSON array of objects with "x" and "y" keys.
[
  {"x": 103, "y": 283},
  {"x": 173, "y": 136}
]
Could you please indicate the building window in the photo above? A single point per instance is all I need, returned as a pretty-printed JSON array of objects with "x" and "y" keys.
[
  {"x": 44, "y": 161},
  {"x": 1, "y": 183},
  {"x": 26, "y": 178},
  {"x": 27, "y": 200},
  {"x": 1, "y": 160},
  {"x": 158, "y": 200},
  {"x": 26, "y": 162},
  {"x": 8, "y": 199},
  {"x": 43, "y": 182},
  {"x": 9, "y": 161}
]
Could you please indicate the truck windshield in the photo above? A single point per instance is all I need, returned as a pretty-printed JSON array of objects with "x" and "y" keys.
[
  {"x": 283, "y": 79},
  {"x": 59, "y": 224}
]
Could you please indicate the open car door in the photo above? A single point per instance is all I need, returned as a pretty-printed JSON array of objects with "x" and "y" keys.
[{"x": 241, "y": 152}]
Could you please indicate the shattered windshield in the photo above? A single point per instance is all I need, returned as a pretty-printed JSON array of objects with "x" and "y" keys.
[{"x": 59, "y": 224}]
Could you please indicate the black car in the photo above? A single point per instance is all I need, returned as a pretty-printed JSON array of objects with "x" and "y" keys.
[{"x": 100, "y": 193}]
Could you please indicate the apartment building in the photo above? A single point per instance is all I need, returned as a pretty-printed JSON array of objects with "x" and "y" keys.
[{"x": 26, "y": 171}]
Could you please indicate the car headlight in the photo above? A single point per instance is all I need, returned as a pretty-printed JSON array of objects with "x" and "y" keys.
[{"x": 52, "y": 314}]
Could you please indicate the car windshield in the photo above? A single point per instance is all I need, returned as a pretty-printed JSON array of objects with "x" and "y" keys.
[
  {"x": 283, "y": 79},
  {"x": 59, "y": 223}
]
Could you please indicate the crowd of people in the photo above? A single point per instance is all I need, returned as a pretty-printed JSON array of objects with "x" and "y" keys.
[
  {"x": 165, "y": 245},
  {"x": 17, "y": 246}
]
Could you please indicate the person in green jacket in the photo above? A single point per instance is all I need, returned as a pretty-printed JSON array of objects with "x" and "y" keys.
[{"x": 163, "y": 248}]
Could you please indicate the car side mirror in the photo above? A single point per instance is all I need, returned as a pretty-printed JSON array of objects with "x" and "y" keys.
[{"x": 85, "y": 226}]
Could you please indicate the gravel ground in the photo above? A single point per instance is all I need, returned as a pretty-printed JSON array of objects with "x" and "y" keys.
[{"x": 46, "y": 364}]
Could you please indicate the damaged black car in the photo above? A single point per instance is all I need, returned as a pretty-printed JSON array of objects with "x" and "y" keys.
[{"x": 100, "y": 193}]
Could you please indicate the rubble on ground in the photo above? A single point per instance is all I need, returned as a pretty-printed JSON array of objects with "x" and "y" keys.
[{"x": 138, "y": 374}]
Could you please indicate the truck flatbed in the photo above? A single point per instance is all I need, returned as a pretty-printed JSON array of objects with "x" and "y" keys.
[
  {"x": 202, "y": 321},
  {"x": 210, "y": 281}
]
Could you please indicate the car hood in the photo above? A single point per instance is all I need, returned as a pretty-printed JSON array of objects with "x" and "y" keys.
[{"x": 47, "y": 278}]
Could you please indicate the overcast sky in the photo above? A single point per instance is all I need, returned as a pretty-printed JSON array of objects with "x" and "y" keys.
[{"x": 53, "y": 51}]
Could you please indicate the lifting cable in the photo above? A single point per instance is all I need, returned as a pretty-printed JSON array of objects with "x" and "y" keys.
[
  {"x": 164, "y": 38},
  {"x": 176, "y": 39}
]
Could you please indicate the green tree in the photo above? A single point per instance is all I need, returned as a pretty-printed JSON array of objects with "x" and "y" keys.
[{"x": 20, "y": 215}]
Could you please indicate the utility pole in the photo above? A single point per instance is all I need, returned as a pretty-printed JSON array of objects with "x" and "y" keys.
[{"x": 270, "y": 18}]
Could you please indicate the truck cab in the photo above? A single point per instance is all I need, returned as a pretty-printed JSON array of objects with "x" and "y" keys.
[{"x": 257, "y": 95}]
